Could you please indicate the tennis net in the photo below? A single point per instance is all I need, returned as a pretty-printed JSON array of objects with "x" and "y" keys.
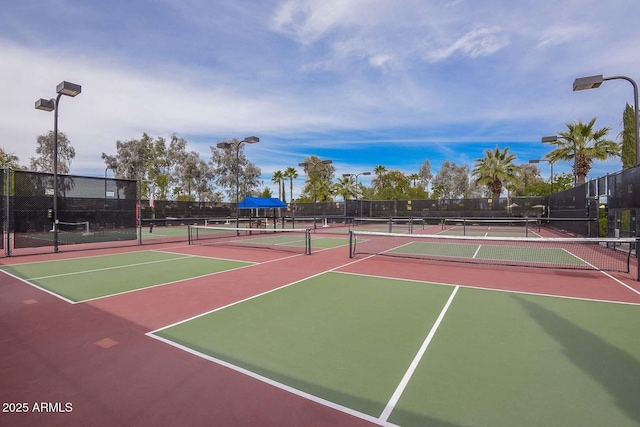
[
  {"x": 494, "y": 226},
  {"x": 391, "y": 224},
  {"x": 606, "y": 254},
  {"x": 288, "y": 240}
]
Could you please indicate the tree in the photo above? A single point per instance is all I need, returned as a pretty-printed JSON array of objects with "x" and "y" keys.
[
  {"x": 266, "y": 192},
  {"x": 628, "y": 137},
  {"x": 8, "y": 160},
  {"x": 45, "y": 149},
  {"x": 425, "y": 175},
  {"x": 528, "y": 178},
  {"x": 451, "y": 181},
  {"x": 319, "y": 179},
  {"x": 194, "y": 174},
  {"x": 496, "y": 170},
  {"x": 233, "y": 170},
  {"x": 278, "y": 178},
  {"x": 582, "y": 144},
  {"x": 131, "y": 158},
  {"x": 379, "y": 181},
  {"x": 395, "y": 185},
  {"x": 345, "y": 187},
  {"x": 292, "y": 174}
]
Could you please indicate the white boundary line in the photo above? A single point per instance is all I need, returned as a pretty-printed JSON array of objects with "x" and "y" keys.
[
  {"x": 277, "y": 384},
  {"x": 201, "y": 256},
  {"x": 475, "y": 254},
  {"x": 430, "y": 282},
  {"x": 253, "y": 296},
  {"x": 115, "y": 267},
  {"x": 165, "y": 283},
  {"x": 416, "y": 360},
  {"x": 38, "y": 287}
]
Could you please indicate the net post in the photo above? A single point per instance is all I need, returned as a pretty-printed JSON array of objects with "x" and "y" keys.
[
  {"x": 189, "y": 234},
  {"x": 8, "y": 216},
  {"x": 308, "y": 241},
  {"x": 390, "y": 225},
  {"x": 464, "y": 226},
  {"x": 637, "y": 260},
  {"x": 350, "y": 243}
]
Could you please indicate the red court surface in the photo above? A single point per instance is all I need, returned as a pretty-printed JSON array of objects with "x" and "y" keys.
[{"x": 92, "y": 364}]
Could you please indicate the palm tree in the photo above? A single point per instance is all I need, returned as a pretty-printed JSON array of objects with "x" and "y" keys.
[
  {"x": 324, "y": 190},
  {"x": 292, "y": 174},
  {"x": 345, "y": 187},
  {"x": 380, "y": 172},
  {"x": 582, "y": 144},
  {"x": 495, "y": 170},
  {"x": 278, "y": 178},
  {"x": 414, "y": 177}
]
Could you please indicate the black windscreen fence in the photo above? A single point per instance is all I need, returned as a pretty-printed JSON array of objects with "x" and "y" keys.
[
  {"x": 89, "y": 210},
  {"x": 97, "y": 211}
]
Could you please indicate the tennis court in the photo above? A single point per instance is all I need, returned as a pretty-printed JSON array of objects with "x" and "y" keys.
[
  {"x": 252, "y": 330},
  {"x": 82, "y": 279},
  {"x": 406, "y": 351}
]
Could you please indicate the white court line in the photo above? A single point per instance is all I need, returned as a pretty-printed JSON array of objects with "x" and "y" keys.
[
  {"x": 635, "y": 291},
  {"x": 277, "y": 384},
  {"x": 38, "y": 287},
  {"x": 416, "y": 360},
  {"x": 115, "y": 267},
  {"x": 475, "y": 254},
  {"x": 257, "y": 295}
]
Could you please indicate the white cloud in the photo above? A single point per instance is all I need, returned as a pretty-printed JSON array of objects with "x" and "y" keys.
[
  {"x": 560, "y": 35},
  {"x": 479, "y": 42},
  {"x": 309, "y": 20},
  {"x": 323, "y": 73}
]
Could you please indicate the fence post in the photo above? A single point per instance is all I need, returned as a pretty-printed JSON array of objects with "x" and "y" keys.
[{"x": 7, "y": 211}]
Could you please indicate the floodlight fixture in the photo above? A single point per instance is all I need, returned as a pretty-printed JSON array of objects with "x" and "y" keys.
[
  {"x": 356, "y": 175},
  {"x": 590, "y": 82},
  {"x": 554, "y": 138},
  {"x": 46, "y": 104},
  {"x": 226, "y": 146},
  {"x": 550, "y": 164},
  {"x": 251, "y": 140},
  {"x": 593, "y": 82},
  {"x": 67, "y": 89}
]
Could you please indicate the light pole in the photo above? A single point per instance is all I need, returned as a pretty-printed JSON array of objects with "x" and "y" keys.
[
  {"x": 593, "y": 82},
  {"x": 553, "y": 138},
  {"x": 228, "y": 145},
  {"x": 356, "y": 175},
  {"x": 68, "y": 89},
  {"x": 550, "y": 163},
  {"x": 313, "y": 165}
]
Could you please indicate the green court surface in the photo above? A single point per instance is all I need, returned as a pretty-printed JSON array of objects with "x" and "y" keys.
[
  {"x": 82, "y": 279},
  {"x": 163, "y": 232},
  {"x": 496, "y": 358},
  {"x": 489, "y": 233},
  {"x": 533, "y": 255},
  {"x": 320, "y": 242}
]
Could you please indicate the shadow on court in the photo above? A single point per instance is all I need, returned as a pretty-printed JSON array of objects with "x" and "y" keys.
[{"x": 615, "y": 369}]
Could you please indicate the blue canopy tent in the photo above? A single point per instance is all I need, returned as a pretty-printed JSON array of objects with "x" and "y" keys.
[{"x": 262, "y": 203}]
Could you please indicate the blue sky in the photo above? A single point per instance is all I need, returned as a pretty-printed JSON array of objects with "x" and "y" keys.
[{"x": 361, "y": 82}]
